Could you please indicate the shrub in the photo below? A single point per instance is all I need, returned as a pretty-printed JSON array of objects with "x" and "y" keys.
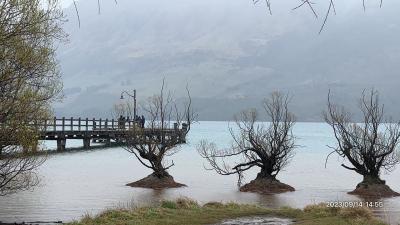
[
  {"x": 356, "y": 213},
  {"x": 169, "y": 204},
  {"x": 186, "y": 203},
  {"x": 214, "y": 205},
  {"x": 321, "y": 210}
]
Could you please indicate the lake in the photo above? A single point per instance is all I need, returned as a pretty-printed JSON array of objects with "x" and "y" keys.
[{"x": 88, "y": 182}]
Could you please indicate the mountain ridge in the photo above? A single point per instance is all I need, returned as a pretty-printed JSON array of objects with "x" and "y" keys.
[{"x": 232, "y": 55}]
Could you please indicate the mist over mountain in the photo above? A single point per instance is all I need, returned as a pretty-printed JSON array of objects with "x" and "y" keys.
[{"x": 231, "y": 53}]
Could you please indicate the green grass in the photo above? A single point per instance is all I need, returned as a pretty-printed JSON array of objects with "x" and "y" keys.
[{"x": 186, "y": 211}]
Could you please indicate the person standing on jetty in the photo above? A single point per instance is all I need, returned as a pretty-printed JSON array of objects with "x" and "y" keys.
[
  {"x": 143, "y": 121},
  {"x": 121, "y": 122}
]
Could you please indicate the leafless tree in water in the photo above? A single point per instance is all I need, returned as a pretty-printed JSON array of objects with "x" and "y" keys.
[
  {"x": 167, "y": 124},
  {"x": 370, "y": 146},
  {"x": 256, "y": 144}
]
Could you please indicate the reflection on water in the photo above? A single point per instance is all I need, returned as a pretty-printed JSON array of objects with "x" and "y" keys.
[
  {"x": 257, "y": 220},
  {"x": 73, "y": 184}
]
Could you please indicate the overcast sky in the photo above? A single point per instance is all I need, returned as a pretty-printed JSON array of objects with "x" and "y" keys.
[
  {"x": 231, "y": 53},
  {"x": 65, "y": 3}
]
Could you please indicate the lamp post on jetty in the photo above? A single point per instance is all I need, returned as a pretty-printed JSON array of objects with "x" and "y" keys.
[{"x": 134, "y": 100}]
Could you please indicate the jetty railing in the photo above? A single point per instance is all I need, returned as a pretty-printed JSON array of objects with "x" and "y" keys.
[
  {"x": 98, "y": 130},
  {"x": 86, "y": 124}
]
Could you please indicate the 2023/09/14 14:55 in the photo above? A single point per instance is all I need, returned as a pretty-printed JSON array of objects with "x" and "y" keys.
[{"x": 354, "y": 204}]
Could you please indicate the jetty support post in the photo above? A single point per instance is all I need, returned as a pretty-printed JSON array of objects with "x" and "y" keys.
[
  {"x": 61, "y": 144},
  {"x": 108, "y": 142},
  {"x": 86, "y": 142},
  {"x": 183, "y": 132}
]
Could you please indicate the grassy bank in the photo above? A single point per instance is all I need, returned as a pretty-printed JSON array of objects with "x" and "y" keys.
[{"x": 185, "y": 211}]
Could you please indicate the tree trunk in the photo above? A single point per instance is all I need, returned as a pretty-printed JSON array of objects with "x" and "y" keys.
[
  {"x": 372, "y": 179},
  {"x": 373, "y": 186},
  {"x": 159, "y": 170},
  {"x": 265, "y": 174},
  {"x": 266, "y": 183}
]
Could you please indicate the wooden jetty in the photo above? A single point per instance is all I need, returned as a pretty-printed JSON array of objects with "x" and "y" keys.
[{"x": 102, "y": 130}]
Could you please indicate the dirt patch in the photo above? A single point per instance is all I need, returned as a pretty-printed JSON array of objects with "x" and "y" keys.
[
  {"x": 374, "y": 190},
  {"x": 154, "y": 182},
  {"x": 266, "y": 186}
]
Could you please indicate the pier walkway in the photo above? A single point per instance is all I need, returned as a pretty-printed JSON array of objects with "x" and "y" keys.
[{"x": 103, "y": 130}]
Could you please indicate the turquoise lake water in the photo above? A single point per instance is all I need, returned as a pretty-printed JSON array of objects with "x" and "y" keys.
[{"x": 76, "y": 183}]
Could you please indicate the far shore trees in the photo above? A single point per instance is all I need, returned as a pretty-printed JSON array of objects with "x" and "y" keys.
[
  {"x": 29, "y": 82},
  {"x": 167, "y": 124},
  {"x": 370, "y": 146},
  {"x": 268, "y": 147}
]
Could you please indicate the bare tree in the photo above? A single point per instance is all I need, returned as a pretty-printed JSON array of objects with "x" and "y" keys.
[
  {"x": 18, "y": 171},
  {"x": 167, "y": 125},
  {"x": 268, "y": 147},
  {"x": 311, "y": 5},
  {"x": 18, "y": 163},
  {"x": 370, "y": 146},
  {"x": 331, "y": 9},
  {"x": 123, "y": 109}
]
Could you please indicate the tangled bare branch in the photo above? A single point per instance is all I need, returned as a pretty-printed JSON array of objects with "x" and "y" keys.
[
  {"x": 166, "y": 128},
  {"x": 254, "y": 144},
  {"x": 369, "y": 146}
]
